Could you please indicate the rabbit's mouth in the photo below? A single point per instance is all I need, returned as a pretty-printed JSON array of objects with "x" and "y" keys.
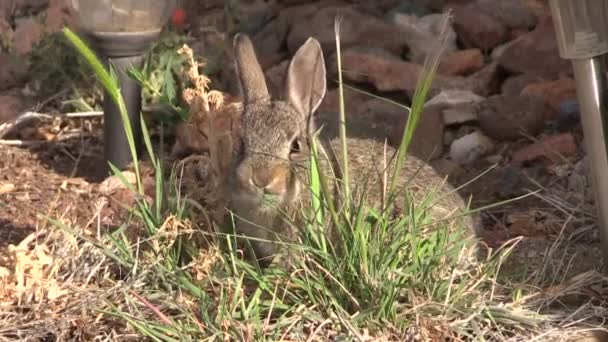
[{"x": 259, "y": 201}]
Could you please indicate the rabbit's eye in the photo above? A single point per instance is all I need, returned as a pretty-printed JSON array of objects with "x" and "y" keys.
[
  {"x": 241, "y": 150},
  {"x": 295, "y": 146}
]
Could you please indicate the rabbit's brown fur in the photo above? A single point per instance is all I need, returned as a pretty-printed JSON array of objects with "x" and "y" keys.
[{"x": 272, "y": 161}]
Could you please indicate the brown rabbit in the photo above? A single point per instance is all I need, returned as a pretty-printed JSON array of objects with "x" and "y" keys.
[{"x": 270, "y": 169}]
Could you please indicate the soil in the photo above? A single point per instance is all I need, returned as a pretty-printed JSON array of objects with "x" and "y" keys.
[{"x": 56, "y": 179}]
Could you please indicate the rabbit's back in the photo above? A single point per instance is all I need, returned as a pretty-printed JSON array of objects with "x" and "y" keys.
[{"x": 371, "y": 167}]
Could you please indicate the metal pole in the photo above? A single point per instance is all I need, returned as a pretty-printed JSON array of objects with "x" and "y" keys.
[
  {"x": 116, "y": 146},
  {"x": 591, "y": 90}
]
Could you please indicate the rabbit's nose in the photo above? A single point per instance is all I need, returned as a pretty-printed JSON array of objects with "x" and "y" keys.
[{"x": 271, "y": 180}]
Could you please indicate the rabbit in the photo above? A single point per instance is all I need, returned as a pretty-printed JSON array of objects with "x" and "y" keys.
[{"x": 270, "y": 165}]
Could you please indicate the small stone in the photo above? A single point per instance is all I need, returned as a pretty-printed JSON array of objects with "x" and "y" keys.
[
  {"x": 5, "y": 188},
  {"x": 477, "y": 29},
  {"x": 27, "y": 34},
  {"x": 448, "y": 137},
  {"x": 512, "y": 13},
  {"x": 427, "y": 142},
  {"x": 10, "y": 107},
  {"x": 513, "y": 86},
  {"x": 356, "y": 28},
  {"x": 113, "y": 183},
  {"x": 270, "y": 40},
  {"x": 352, "y": 100},
  {"x": 459, "y": 114},
  {"x": 553, "y": 148},
  {"x": 58, "y": 15},
  {"x": 446, "y": 167},
  {"x": 505, "y": 117},
  {"x": 536, "y": 53},
  {"x": 378, "y": 67},
  {"x": 568, "y": 115},
  {"x": 511, "y": 182},
  {"x": 252, "y": 16},
  {"x": 553, "y": 92},
  {"x": 7, "y": 78},
  {"x": 500, "y": 49},
  {"x": 579, "y": 181},
  {"x": 487, "y": 81},
  {"x": 462, "y": 62},
  {"x": 421, "y": 31},
  {"x": 470, "y": 147},
  {"x": 454, "y": 97},
  {"x": 275, "y": 77}
]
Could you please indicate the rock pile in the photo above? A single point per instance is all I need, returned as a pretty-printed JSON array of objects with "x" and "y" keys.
[{"x": 500, "y": 80}]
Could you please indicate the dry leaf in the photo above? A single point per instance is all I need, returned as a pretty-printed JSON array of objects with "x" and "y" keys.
[{"x": 6, "y": 188}]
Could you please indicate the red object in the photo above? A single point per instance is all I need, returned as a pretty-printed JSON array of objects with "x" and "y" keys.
[{"x": 178, "y": 18}]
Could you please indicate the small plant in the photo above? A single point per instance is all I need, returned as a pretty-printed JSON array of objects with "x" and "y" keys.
[
  {"x": 160, "y": 74},
  {"x": 55, "y": 67}
]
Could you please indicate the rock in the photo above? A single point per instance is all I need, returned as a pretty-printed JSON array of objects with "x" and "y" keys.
[
  {"x": 251, "y": 17},
  {"x": 459, "y": 114},
  {"x": 499, "y": 50},
  {"x": 372, "y": 118},
  {"x": 275, "y": 78},
  {"x": 477, "y": 29},
  {"x": 512, "y": 13},
  {"x": 422, "y": 31},
  {"x": 470, "y": 147},
  {"x": 514, "y": 85},
  {"x": 568, "y": 115},
  {"x": 486, "y": 81},
  {"x": 10, "y": 107},
  {"x": 446, "y": 167},
  {"x": 114, "y": 183},
  {"x": 536, "y": 53},
  {"x": 35, "y": 6},
  {"x": 461, "y": 62},
  {"x": 352, "y": 101},
  {"x": 7, "y": 78},
  {"x": 552, "y": 148},
  {"x": 387, "y": 73},
  {"x": 553, "y": 92},
  {"x": 417, "y": 8},
  {"x": 427, "y": 142},
  {"x": 215, "y": 18},
  {"x": 454, "y": 97},
  {"x": 58, "y": 15},
  {"x": 378, "y": 67},
  {"x": 444, "y": 5},
  {"x": 579, "y": 180},
  {"x": 356, "y": 28},
  {"x": 27, "y": 34},
  {"x": 270, "y": 41},
  {"x": 505, "y": 117},
  {"x": 513, "y": 181}
]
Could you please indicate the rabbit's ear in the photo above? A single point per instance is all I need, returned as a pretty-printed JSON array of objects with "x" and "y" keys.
[
  {"x": 305, "y": 81},
  {"x": 249, "y": 72}
]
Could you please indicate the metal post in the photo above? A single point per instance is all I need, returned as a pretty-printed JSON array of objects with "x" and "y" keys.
[
  {"x": 581, "y": 28},
  {"x": 592, "y": 94},
  {"x": 116, "y": 146}
]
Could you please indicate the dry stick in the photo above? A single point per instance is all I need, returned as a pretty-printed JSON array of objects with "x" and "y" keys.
[{"x": 7, "y": 127}]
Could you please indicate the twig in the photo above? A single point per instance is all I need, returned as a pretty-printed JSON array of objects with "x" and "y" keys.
[
  {"x": 21, "y": 142},
  {"x": 7, "y": 127}
]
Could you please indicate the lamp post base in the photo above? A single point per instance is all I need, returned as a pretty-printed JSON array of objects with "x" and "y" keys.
[
  {"x": 116, "y": 144},
  {"x": 123, "y": 50},
  {"x": 593, "y": 95}
]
